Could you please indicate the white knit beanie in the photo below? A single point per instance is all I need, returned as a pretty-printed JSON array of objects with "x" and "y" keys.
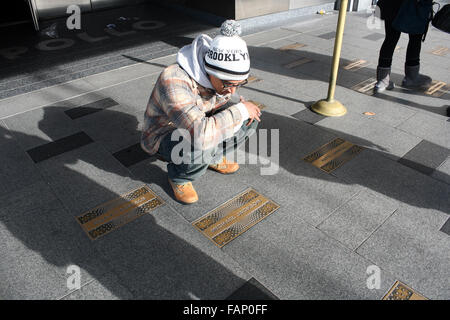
[{"x": 227, "y": 57}]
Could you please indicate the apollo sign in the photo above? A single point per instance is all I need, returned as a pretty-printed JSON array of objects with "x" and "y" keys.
[{"x": 13, "y": 53}]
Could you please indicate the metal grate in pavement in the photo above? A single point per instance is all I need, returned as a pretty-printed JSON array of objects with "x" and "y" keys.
[{"x": 235, "y": 216}]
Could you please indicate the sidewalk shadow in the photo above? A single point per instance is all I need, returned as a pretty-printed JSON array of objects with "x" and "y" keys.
[
  {"x": 268, "y": 59},
  {"x": 142, "y": 257},
  {"x": 393, "y": 186}
]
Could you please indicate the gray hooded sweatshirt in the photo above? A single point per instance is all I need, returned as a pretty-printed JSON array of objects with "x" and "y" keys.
[{"x": 191, "y": 59}]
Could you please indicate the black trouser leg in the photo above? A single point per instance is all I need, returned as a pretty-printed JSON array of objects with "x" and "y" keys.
[
  {"x": 413, "y": 50},
  {"x": 390, "y": 42}
]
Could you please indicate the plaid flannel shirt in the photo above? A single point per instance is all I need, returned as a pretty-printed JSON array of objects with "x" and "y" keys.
[{"x": 178, "y": 101}]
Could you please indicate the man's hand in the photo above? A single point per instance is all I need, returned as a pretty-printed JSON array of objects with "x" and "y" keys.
[{"x": 253, "y": 111}]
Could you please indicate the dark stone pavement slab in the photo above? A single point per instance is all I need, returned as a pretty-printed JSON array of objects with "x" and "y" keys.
[
  {"x": 252, "y": 290},
  {"x": 425, "y": 157},
  {"x": 446, "y": 227},
  {"x": 442, "y": 173}
]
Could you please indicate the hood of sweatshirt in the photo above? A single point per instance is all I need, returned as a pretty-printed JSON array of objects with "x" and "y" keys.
[{"x": 191, "y": 59}]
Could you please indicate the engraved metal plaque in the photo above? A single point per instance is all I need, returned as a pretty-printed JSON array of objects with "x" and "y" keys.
[
  {"x": 356, "y": 65},
  {"x": 366, "y": 86},
  {"x": 437, "y": 88},
  {"x": 292, "y": 46},
  {"x": 333, "y": 155},
  {"x": 401, "y": 291},
  {"x": 297, "y": 63},
  {"x": 440, "y": 51},
  {"x": 114, "y": 214},
  {"x": 235, "y": 216}
]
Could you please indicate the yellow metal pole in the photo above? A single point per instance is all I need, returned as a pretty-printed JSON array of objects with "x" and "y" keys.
[{"x": 330, "y": 107}]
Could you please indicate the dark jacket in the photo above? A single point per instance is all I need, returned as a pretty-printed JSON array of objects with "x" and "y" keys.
[{"x": 389, "y": 8}]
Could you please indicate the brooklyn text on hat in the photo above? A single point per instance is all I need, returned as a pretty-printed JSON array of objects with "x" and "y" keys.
[{"x": 219, "y": 56}]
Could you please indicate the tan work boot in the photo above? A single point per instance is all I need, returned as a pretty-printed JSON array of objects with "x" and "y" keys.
[
  {"x": 224, "y": 167},
  {"x": 184, "y": 192}
]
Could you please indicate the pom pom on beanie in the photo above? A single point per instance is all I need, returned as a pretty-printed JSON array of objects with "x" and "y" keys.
[
  {"x": 227, "y": 57},
  {"x": 231, "y": 28}
]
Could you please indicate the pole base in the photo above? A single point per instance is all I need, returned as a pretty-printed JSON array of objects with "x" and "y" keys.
[{"x": 327, "y": 108}]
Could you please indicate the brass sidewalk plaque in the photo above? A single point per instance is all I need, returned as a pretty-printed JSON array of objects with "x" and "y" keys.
[
  {"x": 401, "y": 291},
  {"x": 292, "y": 46},
  {"x": 356, "y": 65},
  {"x": 235, "y": 216},
  {"x": 437, "y": 88},
  {"x": 366, "y": 86},
  {"x": 333, "y": 155},
  {"x": 297, "y": 63},
  {"x": 440, "y": 51},
  {"x": 114, "y": 214}
]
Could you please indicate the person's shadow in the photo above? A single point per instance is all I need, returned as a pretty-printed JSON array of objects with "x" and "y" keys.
[{"x": 152, "y": 257}]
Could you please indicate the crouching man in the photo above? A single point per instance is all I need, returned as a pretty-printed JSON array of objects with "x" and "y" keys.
[{"x": 193, "y": 96}]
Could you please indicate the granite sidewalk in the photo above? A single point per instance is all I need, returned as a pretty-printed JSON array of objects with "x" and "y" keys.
[{"x": 72, "y": 146}]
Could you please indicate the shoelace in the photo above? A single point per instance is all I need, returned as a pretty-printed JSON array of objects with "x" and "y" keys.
[
  {"x": 221, "y": 164},
  {"x": 180, "y": 187}
]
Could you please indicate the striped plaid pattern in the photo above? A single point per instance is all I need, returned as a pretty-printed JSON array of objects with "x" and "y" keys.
[{"x": 178, "y": 101}]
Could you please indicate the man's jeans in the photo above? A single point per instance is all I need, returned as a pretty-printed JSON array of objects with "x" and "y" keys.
[{"x": 201, "y": 159}]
